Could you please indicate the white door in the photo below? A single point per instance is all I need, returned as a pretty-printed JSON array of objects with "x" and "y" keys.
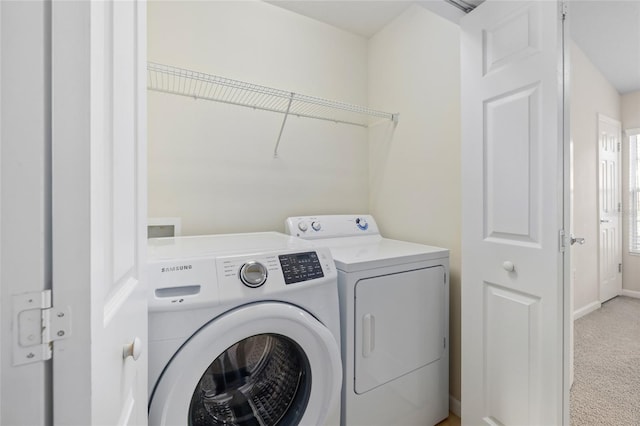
[
  {"x": 513, "y": 162},
  {"x": 610, "y": 205},
  {"x": 99, "y": 211}
]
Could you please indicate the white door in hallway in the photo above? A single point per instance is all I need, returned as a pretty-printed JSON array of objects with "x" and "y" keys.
[
  {"x": 610, "y": 207},
  {"x": 99, "y": 211},
  {"x": 515, "y": 208}
]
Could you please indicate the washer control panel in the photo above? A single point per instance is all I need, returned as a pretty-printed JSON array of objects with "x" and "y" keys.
[
  {"x": 193, "y": 282},
  {"x": 298, "y": 267},
  {"x": 262, "y": 274}
]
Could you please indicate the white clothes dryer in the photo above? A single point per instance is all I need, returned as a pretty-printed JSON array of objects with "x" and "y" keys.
[
  {"x": 394, "y": 310},
  {"x": 243, "y": 330}
]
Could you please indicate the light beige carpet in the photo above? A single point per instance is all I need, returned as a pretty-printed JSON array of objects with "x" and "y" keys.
[{"x": 606, "y": 386}]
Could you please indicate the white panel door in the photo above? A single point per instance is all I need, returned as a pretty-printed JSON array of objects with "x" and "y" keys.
[
  {"x": 513, "y": 211},
  {"x": 609, "y": 201},
  {"x": 99, "y": 211}
]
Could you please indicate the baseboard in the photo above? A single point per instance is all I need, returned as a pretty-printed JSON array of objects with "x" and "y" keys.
[
  {"x": 631, "y": 293},
  {"x": 586, "y": 310},
  {"x": 454, "y": 406}
]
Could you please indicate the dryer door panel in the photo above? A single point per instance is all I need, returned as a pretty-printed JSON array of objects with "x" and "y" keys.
[{"x": 399, "y": 325}]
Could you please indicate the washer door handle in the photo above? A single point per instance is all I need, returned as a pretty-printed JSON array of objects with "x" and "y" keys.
[{"x": 368, "y": 335}]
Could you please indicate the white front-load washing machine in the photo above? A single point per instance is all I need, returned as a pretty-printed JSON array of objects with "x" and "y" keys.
[
  {"x": 243, "y": 330},
  {"x": 394, "y": 310}
]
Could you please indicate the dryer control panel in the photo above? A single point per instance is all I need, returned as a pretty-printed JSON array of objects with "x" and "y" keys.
[{"x": 331, "y": 226}]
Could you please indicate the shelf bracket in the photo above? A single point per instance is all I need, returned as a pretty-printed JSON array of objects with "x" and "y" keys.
[{"x": 284, "y": 121}]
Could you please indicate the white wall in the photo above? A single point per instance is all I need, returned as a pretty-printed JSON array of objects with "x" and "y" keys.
[
  {"x": 630, "y": 263},
  {"x": 631, "y": 110},
  {"x": 414, "y": 69},
  {"x": 211, "y": 164},
  {"x": 591, "y": 94}
]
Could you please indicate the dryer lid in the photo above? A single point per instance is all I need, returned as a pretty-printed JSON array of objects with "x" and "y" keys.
[
  {"x": 353, "y": 254},
  {"x": 356, "y": 243}
]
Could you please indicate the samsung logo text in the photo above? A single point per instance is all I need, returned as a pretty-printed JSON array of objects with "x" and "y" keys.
[{"x": 176, "y": 268}]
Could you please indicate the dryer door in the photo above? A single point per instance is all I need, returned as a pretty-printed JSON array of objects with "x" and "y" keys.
[
  {"x": 399, "y": 325},
  {"x": 263, "y": 364}
]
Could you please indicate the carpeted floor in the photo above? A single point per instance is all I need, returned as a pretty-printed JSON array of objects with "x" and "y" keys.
[{"x": 606, "y": 386}]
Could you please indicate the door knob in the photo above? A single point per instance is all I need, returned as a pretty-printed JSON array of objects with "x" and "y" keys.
[
  {"x": 133, "y": 349},
  {"x": 604, "y": 221},
  {"x": 574, "y": 240},
  {"x": 508, "y": 266}
]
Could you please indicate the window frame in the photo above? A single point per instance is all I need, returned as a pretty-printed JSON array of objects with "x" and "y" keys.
[{"x": 633, "y": 136}]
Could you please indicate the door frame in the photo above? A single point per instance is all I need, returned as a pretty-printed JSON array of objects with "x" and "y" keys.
[
  {"x": 25, "y": 199},
  {"x": 567, "y": 173}
]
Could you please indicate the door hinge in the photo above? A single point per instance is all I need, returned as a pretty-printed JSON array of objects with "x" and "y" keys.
[
  {"x": 561, "y": 241},
  {"x": 36, "y": 325},
  {"x": 619, "y": 207},
  {"x": 619, "y": 268},
  {"x": 445, "y": 343}
]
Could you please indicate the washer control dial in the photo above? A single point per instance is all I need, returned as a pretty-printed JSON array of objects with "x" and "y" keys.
[
  {"x": 316, "y": 226},
  {"x": 253, "y": 274},
  {"x": 303, "y": 226}
]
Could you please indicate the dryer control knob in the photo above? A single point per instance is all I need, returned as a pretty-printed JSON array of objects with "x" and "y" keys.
[
  {"x": 362, "y": 224},
  {"x": 316, "y": 226},
  {"x": 303, "y": 226},
  {"x": 253, "y": 274}
]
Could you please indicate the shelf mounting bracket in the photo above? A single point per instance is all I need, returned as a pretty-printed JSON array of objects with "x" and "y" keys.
[{"x": 284, "y": 121}]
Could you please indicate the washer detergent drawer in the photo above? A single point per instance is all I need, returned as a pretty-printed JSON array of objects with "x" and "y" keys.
[{"x": 399, "y": 325}]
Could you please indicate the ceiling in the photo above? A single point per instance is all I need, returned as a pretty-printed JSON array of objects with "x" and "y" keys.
[
  {"x": 608, "y": 31},
  {"x": 364, "y": 18},
  {"x": 609, "y": 34}
]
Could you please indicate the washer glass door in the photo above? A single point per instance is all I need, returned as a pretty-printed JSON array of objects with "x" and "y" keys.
[
  {"x": 261, "y": 380},
  {"x": 266, "y": 364}
]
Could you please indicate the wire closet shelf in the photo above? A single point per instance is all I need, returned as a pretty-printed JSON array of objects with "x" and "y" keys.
[{"x": 199, "y": 85}]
